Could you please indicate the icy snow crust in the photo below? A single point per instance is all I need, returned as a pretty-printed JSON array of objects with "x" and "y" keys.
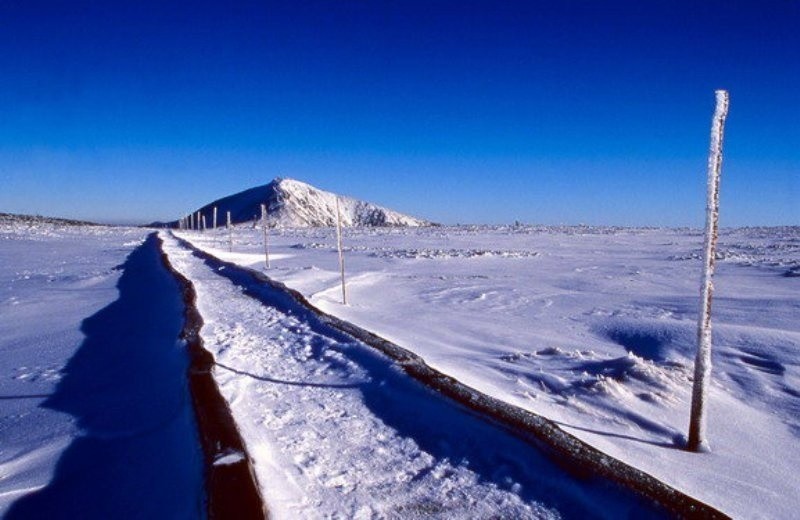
[
  {"x": 591, "y": 327},
  {"x": 95, "y": 420}
]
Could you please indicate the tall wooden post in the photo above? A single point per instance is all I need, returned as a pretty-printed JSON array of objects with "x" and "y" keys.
[
  {"x": 266, "y": 235},
  {"x": 702, "y": 364},
  {"x": 230, "y": 233},
  {"x": 339, "y": 247}
]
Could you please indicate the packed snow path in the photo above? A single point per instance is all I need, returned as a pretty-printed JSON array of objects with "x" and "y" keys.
[{"x": 336, "y": 430}]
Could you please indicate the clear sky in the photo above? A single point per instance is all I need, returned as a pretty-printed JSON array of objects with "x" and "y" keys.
[{"x": 464, "y": 111}]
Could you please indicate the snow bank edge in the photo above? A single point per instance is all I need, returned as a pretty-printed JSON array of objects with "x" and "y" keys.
[{"x": 231, "y": 488}]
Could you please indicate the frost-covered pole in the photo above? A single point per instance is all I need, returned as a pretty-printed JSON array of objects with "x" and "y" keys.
[
  {"x": 230, "y": 233},
  {"x": 197, "y": 220},
  {"x": 215, "y": 218},
  {"x": 203, "y": 228},
  {"x": 702, "y": 363},
  {"x": 266, "y": 237},
  {"x": 339, "y": 247}
]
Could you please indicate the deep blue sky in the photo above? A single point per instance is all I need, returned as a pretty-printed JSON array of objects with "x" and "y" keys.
[{"x": 495, "y": 111}]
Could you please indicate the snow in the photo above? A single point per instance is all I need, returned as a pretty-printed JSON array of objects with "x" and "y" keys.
[
  {"x": 291, "y": 203},
  {"x": 94, "y": 413},
  {"x": 336, "y": 430},
  {"x": 594, "y": 328}
]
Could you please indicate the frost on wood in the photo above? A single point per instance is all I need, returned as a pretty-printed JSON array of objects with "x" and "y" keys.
[
  {"x": 702, "y": 365},
  {"x": 339, "y": 247},
  {"x": 266, "y": 236},
  {"x": 230, "y": 233},
  {"x": 214, "y": 220}
]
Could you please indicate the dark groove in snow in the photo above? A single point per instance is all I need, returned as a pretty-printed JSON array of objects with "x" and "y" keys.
[
  {"x": 231, "y": 485},
  {"x": 573, "y": 454}
]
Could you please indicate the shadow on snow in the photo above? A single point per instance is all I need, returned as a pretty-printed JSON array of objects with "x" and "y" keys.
[{"x": 137, "y": 454}]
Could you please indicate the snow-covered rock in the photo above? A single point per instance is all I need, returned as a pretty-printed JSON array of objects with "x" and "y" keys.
[{"x": 292, "y": 203}]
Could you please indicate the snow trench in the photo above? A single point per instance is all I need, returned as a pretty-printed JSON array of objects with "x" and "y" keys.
[
  {"x": 231, "y": 487},
  {"x": 443, "y": 449}
]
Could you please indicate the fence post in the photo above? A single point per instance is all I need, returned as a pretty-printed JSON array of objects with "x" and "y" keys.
[
  {"x": 266, "y": 237},
  {"x": 702, "y": 365},
  {"x": 230, "y": 233},
  {"x": 339, "y": 247}
]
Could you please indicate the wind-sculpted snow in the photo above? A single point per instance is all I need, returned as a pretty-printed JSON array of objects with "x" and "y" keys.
[
  {"x": 618, "y": 311},
  {"x": 338, "y": 430},
  {"x": 758, "y": 247},
  {"x": 412, "y": 253}
]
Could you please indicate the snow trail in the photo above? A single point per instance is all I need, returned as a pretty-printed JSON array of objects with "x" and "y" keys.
[{"x": 336, "y": 430}]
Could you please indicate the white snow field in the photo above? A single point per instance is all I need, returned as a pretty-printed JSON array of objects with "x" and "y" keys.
[
  {"x": 594, "y": 328},
  {"x": 95, "y": 417},
  {"x": 336, "y": 430}
]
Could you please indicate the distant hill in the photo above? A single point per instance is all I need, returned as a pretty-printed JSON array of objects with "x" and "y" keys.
[
  {"x": 292, "y": 203},
  {"x": 12, "y": 218}
]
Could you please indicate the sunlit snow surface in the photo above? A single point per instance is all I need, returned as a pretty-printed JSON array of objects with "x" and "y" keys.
[
  {"x": 336, "y": 430},
  {"x": 591, "y": 327}
]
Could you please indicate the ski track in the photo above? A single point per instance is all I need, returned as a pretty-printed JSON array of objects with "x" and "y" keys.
[{"x": 305, "y": 399}]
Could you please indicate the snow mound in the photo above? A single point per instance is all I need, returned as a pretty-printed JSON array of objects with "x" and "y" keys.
[{"x": 582, "y": 373}]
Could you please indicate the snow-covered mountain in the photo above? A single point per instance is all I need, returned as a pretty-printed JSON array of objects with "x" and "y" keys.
[{"x": 292, "y": 203}]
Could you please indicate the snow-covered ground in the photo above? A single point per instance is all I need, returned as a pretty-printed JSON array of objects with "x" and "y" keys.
[
  {"x": 336, "y": 430},
  {"x": 591, "y": 327},
  {"x": 95, "y": 420}
]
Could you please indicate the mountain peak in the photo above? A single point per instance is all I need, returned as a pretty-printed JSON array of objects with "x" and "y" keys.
[{"x": 293, "y": 203}]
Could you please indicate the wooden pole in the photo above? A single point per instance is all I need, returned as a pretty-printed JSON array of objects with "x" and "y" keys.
[
  {"x": 702, "y": 365},
  {"x": 266, "y": 235},
  {"x": 339, "y": 247},
  {"x": 230, "y": 233},
  {"x": 215, "y": 219}
]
